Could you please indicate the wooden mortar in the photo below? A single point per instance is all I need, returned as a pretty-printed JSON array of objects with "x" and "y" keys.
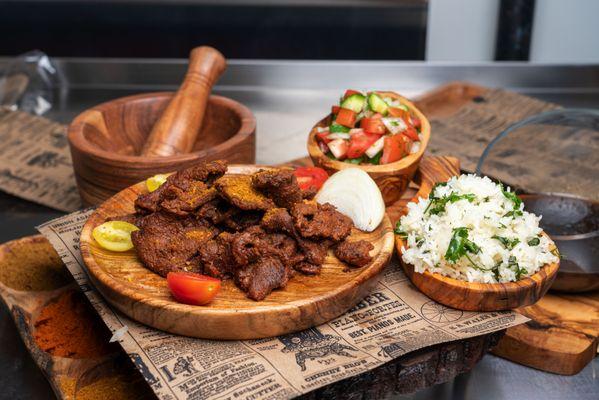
[{"x": 124, "y": 141}]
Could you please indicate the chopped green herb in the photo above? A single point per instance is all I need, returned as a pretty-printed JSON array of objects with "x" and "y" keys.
[
  {"x": 376, "y": 160},
  {"x": 513, "y": 213},
  {"x": 496, "y": 269},
  {"x": 534, "y": 241},
  {"x": 400, "y": 232},
  {"x": 331, "y": 156},
  {"x": 506, "y": 242},
  {"x": 556, "y": 253},
  {"x": 460, "y": 246},
  {"x": 419, "y": 241},
  {"x": 437, "y": 204},
  {"x": 513, "y": 264},
  {"x": 354, "y": 160}
]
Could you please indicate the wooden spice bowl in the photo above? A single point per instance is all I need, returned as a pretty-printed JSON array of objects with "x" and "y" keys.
[
  {"x": 106, "y": 142},
  {"x": 393, "y": 178},
  {"x": 474, "y": 296}
]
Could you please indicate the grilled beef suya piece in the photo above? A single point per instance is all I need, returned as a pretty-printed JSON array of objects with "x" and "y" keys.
[
  {"x": 165, "y": 243},
  {"x": 238, "y": 190},
  {"x": 262, "y": 276},
  {"x": 257, "y": 230},
  {"x": 355, "y": 253},
  {"x": 320, "y": 221},
  {"x": 278, "y": 184},
  {"x": 188, "y": 185}
]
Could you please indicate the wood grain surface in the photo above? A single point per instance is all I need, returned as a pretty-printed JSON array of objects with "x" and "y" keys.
[
  {"x": 472, "y": 296},
  {"x": 305, "y": 301},
  {"x": 106, "y": 141},
  {"x": 176, "y": 130},
  {"x": 393, "y": 178},
  {"x": 562, "y": 336}
]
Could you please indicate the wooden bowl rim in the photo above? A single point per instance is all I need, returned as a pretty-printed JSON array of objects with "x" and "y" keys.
[
  {"x": 377, "y": 265},
  {"x": 405, "y": 162},
  {"x": 78, "y": 140},
  {"x": 477, "y": 287}
]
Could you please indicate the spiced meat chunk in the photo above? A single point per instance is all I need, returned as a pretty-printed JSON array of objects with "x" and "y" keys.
[
  {"x": 183, "y": 191},
  {"x": 261, "y": 277},
  {"x": 354, "y": 253},
  {"x": 320, "y": 221},
  {"x": 238, "y": 190},
  {"x": 181, "y": 202},
  {"x": 315, "y": 251},
  {"x": 164, "y": 243},
  {"x": 307, "y": 268},
  {"x": 278, "y": 220},
  {"x": 280, "y": 185},
  {"x": 215, "y": 211},
  {"x": 240, "y": 220},
  {"x": 248, "y": 246},
  {"x": 283, "y": 247},
  {"x": 217, "y": 258}
]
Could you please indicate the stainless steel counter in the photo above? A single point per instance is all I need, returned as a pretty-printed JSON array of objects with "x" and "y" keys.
[{"x": 287, "y": 97}]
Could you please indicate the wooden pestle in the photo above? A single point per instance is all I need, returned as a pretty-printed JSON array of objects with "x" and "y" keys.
[{"x": 177, "y": 129}]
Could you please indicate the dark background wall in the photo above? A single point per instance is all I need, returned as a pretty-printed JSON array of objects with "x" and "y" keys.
[{"x": 394, "y": 30}]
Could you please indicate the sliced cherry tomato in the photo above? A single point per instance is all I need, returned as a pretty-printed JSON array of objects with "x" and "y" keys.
[
  {"x": 194, "y": 289},
  {"x": 310, "y": 177},
  {"x": 359, "y": 143},
  {"x": 349, "y": 92},
  {"x": 335, "y": 109},
  {"x": 395, "y": 148},
  {"x": 114, "y": 235},
  {"x": 323, "y": 136},
  {"x": 339, "y": 148},
  {"x": 416, "y": 122},
  {"x": 373, "y": 125},
  {"x": 411, "y": 133},
  {"x": 154, "y": 182},
  {"x": 401, "y": 113},
  {"x": 346, "y": 118}
]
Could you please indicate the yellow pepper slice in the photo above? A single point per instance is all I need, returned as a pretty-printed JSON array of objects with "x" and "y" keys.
[
  {"x": 114, "y": 235},
  {"x": 154, "y": 182}
]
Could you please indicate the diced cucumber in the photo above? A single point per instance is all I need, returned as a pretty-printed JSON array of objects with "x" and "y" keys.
[
  {"x": 377, "y": 104},
  {"x": 355, "y": 102},
  {"x": 336, "y": 128}
]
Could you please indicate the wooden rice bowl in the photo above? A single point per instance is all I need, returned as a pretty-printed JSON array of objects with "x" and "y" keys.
[
  {"x": 306, "y": 301},
  {"x": 473, "y": 296},
  {"x": 392, "y": 179}
]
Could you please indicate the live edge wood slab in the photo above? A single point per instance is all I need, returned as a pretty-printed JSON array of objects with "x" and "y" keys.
[{"x": 306, "y": 301}]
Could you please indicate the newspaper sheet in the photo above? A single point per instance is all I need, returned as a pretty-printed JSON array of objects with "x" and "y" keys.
[
  {"x": 35, "y": 162},
  {"x": 394, "y": 319}
]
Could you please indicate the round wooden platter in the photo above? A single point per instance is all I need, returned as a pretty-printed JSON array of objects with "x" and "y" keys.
[
  {"x": 473, "y": 296},
  {"x": 305, "y": 302}
]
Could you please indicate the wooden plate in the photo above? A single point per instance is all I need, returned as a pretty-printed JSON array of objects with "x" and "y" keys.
[
  {"x": 305, "y": 302},
  {"x": 473, "y": 296}
]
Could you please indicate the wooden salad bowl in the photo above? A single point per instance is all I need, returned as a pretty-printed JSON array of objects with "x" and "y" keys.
[
  {"x": 107, "y": 140},
  {"x": 305, "y": 302},
  {"x": 392, "y": 179},
  {"x": 474, "y": 296}
]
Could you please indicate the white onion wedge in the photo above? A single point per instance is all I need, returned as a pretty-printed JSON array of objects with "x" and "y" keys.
[{"x": 356, "y": 195}]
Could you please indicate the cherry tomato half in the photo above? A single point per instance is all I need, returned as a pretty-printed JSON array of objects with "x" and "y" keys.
[
  {"x": 191, "y": 288},
  {"x": 310, "y": 177},
  {"x": 346, "y": 117},
  {"x": 114, "y": 235}
]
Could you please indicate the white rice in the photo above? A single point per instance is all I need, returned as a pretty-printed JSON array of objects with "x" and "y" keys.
[{"x": 428, "y": 236}]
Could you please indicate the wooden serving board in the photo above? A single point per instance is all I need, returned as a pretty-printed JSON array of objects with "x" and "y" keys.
[
  {"x": 70, "y": 376},
  {"x": 305, "y": 302}
]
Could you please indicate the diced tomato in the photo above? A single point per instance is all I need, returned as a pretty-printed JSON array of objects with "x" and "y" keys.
[
  {"x": 349, "y": 92},
  {"x": 323, "y": 136},
  {"x": 377, "y": 116},
  {"x": 194, "y": 289},
  {"x": 416, "y": 122},
  {"x": 395, "y": 148},
  {"x": 373, "y": 125},
  {"x": 339, "y": 148},
  {"x": 359, "y": 143},
  {"x": 401, "y": 113},
  {"x": 335, "y": 109},
  {"x": 346, "y": 118},
  {"x": 411, "y": 133},
  {"x": 310, "y": 177}
]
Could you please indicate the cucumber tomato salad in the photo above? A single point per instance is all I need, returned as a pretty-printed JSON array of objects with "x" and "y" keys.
[{"x": 369, "y": 128}]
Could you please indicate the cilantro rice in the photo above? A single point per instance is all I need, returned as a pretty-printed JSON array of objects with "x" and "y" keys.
[{"x": 474, "y": 230}]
